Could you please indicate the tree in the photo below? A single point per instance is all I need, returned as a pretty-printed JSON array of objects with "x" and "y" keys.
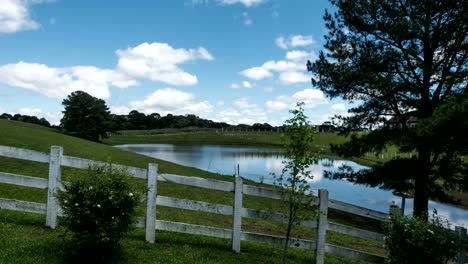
[
  {"x": 400, "y": 60},
  {"x": 86, "y": 116},
  {"x": 293, "y": 181}
]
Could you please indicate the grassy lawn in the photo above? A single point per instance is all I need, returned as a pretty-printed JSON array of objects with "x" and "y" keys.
[{"x": 32, "y": 242}]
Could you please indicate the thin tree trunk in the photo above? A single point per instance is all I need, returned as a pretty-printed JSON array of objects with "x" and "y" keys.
[
  {"x": 288, "y": 233},
  {"x": 421, "y": 196}
]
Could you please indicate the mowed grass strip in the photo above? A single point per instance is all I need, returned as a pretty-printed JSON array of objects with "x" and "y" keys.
[
  {"x": 24, "y": 240},
  {"x": 28, "y": 136}
]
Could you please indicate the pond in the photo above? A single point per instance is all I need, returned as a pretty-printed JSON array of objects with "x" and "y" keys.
[{"x": 257, "y": 164}]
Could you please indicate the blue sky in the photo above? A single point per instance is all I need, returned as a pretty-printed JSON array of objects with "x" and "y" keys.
[{"x": 237, "y": 61}]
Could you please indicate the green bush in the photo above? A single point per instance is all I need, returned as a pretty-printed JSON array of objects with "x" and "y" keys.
[
  {"x": 413, "y": 240},
  {"x": 99, "y": 209}
]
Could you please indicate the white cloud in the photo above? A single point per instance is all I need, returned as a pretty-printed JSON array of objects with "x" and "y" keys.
[
  {"x": 235, "y": 86},
  {"x": 281, "y": 42},
  {"x": 165, "y": 101},
  {"x": 159, "y": 62},
  {"x": 256, "y": 73},
  {"x": 311, "y": 97},
  {"x": 60, "y": 82},
  {"x": 301, "y": 56},
  {"x": 247, "y": 20},
  {"x": 265, "y": 71},
  {"x": 294, "y": 41},
  {"x": 291, "y": 77},
  {"x": 53, "y": 117},
  {"x": 242, "y": 111},
  {"x": 338, "y": 107},
  {"x": 15, "y": 16},
  {"x": 247, "y": 84},
  {"x": 247, "y": 3}
]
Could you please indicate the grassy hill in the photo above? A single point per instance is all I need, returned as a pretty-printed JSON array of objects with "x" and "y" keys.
[{"x": 24, "y": 239}]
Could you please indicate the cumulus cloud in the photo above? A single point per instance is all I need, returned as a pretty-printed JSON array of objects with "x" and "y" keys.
[
  {"x": 291, "y": 77},
  {"x": 242, "y": 111},
  {"x": 311, "y": 97},
  {"x": 256, "y": 73},
  {"x": 155, "y": 62},
  {"x": 294, "y": 41},
  {"x": 166, "y": 101},
  {"x": 53, "y": 117},
  {"x": 338, "y": 108},
  {"x": 159, "y": 62},
  {"x": 290, "y": 72},
  {"x": 301, "y": 56},
  {"x": 15, "y": 16},
  {"x": 60, "y": 82}
]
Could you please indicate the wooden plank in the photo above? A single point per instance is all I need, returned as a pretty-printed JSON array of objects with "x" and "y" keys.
[
  {"x": 22, "y": 180},
  {"x": 152, "y": 185},
  {"x": 267, "y": 193},
  {"x": 237, "y": 215},
  {"x": 193, "y": 229},
  {"x": 193, "y": 205},
  {"x": 270, "y": 216},
  {"x": 23, "y": 206},
  {"x": 24, "y": 154},
  {"x": 277, "y": 240},
  {"x": 80, "y": 163},
  {"x": 357, "y": 210},
  {"x": 354, "y": 254},
  {"x": 55, "y": 173},
  {"x": 322, "y": 225},
  {"x": 353, "y": 231},
  {"x": 198, "y": 182},
  {"x": 262, "y": 192}
]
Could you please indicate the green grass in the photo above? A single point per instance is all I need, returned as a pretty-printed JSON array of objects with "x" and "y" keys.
[{"x": 28, "y": 136}]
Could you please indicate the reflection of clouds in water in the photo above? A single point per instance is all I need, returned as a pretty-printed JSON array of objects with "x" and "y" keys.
[
  {"x": 376, "y": 201},
  {"x": 274, "y": 165},
  {"x": 253, "y": 165}
]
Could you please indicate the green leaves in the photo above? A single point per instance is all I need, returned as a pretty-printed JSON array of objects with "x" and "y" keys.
[
  {"x": 99, "y": 208},
  {"x": 413, "y": 240},
  {"x": 86, "y": 116}
]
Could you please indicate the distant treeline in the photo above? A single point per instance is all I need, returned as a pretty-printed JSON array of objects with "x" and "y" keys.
[
  {"x": 27, "y": 119},
  {"x": 140, "y": 121}
]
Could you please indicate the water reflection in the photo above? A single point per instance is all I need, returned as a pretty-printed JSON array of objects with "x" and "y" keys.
[{"x": 257, "y": 164}]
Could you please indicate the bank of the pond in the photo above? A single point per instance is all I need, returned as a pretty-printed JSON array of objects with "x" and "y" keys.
[{"x": 23, "y": 240}]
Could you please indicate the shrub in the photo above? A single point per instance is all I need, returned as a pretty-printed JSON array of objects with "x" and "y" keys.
[
  {"x": 99, "y": 209},
  {"x": 413, "y": 240}
]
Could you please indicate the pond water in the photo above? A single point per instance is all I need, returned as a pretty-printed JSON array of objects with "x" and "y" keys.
[{"x": 257, "y": 164}]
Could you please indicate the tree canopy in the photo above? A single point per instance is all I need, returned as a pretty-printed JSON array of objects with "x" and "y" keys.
[
  {"x": 399, "y": 61},
  {"x": 86, "y": 116}
]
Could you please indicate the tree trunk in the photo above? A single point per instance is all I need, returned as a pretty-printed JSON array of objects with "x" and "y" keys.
[
  {"x": 286, "y": 242},
  {"x": 421, "y": 196}
]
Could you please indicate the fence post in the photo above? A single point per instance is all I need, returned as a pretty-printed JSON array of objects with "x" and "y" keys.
[
  {"x": 55, "y": 161},
  {"x": 151, "y": 202},
  {"x": 461, "y": 233},
  {"x": 237, "y": 214},
  {"x": 395, "y": 210},
  {"x": 322, "y": 226}
]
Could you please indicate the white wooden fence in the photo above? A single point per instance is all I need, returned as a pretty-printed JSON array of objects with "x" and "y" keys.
[{"x": 56, "y": 159}]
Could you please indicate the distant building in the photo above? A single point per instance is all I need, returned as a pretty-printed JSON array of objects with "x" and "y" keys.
[
  {"x": 409, "y": 119},
  {"x": 326, "y": 127}
]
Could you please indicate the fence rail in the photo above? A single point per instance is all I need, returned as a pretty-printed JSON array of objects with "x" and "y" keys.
[{"x": 56, "y": 159}]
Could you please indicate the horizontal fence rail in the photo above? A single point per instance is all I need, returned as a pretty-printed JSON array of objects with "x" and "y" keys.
[{"x": 56, "y": 159}]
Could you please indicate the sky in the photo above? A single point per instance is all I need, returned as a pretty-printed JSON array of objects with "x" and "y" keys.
[{"x": 234, "y": 61}]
